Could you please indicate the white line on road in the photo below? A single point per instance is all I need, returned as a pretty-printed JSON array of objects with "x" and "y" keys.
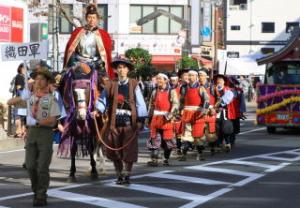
[
  {"x": 255, "y": 164},
  {"x": 96, "y": 201},
  {"x": 11, "y": 151},
  {"x": 161, "y": 191},
  {"x": 164, "y": 174},
  {"x": 253, "y": 130},
  {"x": 207, "y": 198},
  {"x": 250, "y": 178},
  {"x": 280, "y": 158},
  {"x": 221, "y": 170}
]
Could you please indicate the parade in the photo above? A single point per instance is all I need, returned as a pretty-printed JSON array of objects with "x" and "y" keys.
[{"x": 100, "y": 107}]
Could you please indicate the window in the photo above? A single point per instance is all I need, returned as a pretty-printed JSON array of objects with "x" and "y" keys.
[
  {"x": 64, "y": 26},
  {"x": 268, "y": 27},
  {"x": 238, "y": 2},
  {"x": 159, "y": 25},
  {"x": 290, "y": 26},
  {"x": 235, "y": 27},
  {"x": 267, "y": 50},
  {"x": 284, "y": 73}
]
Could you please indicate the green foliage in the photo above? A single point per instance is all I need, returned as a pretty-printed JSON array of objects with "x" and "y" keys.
[
  {"x": 141, "y": 60},
  {"x": 139, "y": 57},
  {"x": 187, "y": 62}
]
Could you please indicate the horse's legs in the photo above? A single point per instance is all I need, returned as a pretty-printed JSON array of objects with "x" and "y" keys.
[
  {"x": 94, "y": 173},
  {"x": 101, "y": 158},
  {"x": 72, "y": 177}
]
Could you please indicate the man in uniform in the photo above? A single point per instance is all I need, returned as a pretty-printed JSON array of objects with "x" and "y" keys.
[
  {"x": 163, "y": 107},
  {"x": 225, "y": 110},
  {"x": 195, "y": 106},
  {"x": 210, "y": 118},
  {"x": 183, "y": 81},
  {"x": 127, "y": 112},
  {"x": 42, "y": 117},
  {"x": 90, "y": 44}
]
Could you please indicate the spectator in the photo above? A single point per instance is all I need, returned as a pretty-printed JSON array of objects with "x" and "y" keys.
[{"x": 20, "y": 109}]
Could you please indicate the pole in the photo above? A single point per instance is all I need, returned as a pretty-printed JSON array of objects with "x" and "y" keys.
[
  {"x": 26, "y": 88},
  {"x": 55, "y": 37}
]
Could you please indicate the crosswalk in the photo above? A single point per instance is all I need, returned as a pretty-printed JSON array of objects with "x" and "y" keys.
[{"x": 203, "y": 183}]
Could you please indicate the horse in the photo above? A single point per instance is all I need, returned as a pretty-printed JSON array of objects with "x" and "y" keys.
[{"x": 80, "y": 89}]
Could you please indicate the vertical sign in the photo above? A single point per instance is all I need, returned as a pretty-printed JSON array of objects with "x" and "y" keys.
[
  {"x": 207, "y": 21},
  {"x": 17, "y": 23},
  {"x": 5, "y": 24}
]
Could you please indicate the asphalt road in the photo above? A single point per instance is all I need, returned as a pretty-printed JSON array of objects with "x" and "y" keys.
[{"x": 262, "y": 171}]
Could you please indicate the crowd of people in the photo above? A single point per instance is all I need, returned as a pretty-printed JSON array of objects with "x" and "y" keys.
[{"x": 94, "y": 101}]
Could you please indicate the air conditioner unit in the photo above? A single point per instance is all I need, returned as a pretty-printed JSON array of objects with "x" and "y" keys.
[{"x": 243, "y": 6}]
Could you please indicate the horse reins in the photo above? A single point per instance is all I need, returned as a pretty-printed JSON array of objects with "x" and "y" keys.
[{"x": 99, "y": 134}]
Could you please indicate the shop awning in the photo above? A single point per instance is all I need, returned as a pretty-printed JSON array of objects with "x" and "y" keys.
[{"x": 165, "y": 59}]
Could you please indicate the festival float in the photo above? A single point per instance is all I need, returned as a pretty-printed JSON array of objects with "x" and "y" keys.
[{"x": 278, "y": 97}]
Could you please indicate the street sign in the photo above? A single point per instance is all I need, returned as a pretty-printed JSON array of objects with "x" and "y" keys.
[
  {"x": 206, "y": 31},
  {"x": 24, "y": 51}
]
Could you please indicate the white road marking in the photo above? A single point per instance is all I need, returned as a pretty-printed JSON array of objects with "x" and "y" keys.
[
  {"x": 95, "y": 201},
  {"x": 280, "y": 158},
  {"x": 250, "y": 176},
  {"x": 221, "y": 170},
  {"x": 3, "y": 207},
  {"x": 15, "y": 196},
  {"x": 253, "y": 130},
  {"x": 164, "y": 174},
  {"x": 161, "y": 191},
  {"x": 196, "y": 199},
  {"x": 11, "y": 151},
  {"x": 207, "y": 198},
  {"x": 255, "y": 164}
]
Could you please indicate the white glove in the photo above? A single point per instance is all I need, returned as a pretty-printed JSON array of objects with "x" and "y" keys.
[
  {"x": 30, "y": 121},
  {"x": 25, "y": 95}
]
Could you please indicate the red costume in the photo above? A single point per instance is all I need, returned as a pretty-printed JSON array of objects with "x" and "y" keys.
[
  {"x": 162, "y": 105},
  {"x": 193, "y": 103},
  {"x": 104, "y": 47}
]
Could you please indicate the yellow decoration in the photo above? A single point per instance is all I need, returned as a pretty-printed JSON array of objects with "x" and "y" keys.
[{"x": 276, "y": 106}]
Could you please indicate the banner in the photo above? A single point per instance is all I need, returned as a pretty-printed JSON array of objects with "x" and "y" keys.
[
  {"x": 25, "y": 51},
  {"x": 5, "y": 24},
  {"x": 11, "y": 24}
]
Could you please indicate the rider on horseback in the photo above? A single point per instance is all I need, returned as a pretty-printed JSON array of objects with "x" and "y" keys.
[{"x": 87, "y": 53}]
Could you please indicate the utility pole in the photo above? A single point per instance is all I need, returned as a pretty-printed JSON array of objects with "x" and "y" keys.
[
  {"x": 186, "y": 27},
  {"x": 55, "y": 37}
]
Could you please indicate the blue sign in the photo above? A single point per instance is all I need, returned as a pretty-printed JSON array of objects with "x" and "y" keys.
[{"x": 206, "y": 31}]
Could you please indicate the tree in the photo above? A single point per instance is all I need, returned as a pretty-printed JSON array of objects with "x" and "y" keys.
[
  {"x": 141, "y": 60},
  {"x": 187, "y": 62}
]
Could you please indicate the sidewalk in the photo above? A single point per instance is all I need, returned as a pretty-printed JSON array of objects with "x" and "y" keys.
[{"x": 9, "y": 143}]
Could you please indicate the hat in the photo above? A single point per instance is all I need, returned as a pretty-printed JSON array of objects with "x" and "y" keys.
[
  {"x": 193, "y": 71},
  {"x": 204, "y": 71},
  {"x": 114, "y": 64},
  {"x": 173, "y": 75},
  {"x": 164, "y": 75},
  {"x": 91, "y": 9},
  {"x": 182, "y": 71},
  {"x": 224, "y": 77},
  {"x": 45, "y": 72}
]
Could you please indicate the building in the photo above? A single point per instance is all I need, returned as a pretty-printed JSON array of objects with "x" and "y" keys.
[
  {"x": 162, "y": 36},
  {"x": 258, "y": 26}
]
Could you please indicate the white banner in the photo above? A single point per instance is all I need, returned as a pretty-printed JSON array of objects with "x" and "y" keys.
[{"x": 24, "y": 51}]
